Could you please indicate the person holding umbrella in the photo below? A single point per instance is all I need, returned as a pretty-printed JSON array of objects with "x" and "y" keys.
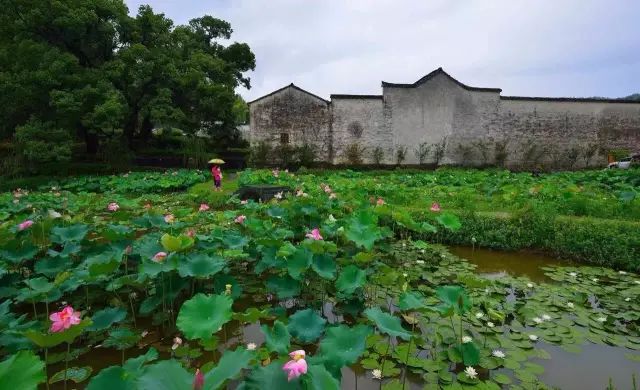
[{"x": 216, "y": 173}]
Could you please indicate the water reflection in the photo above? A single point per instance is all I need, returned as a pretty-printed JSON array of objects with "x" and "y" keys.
[{"x": 495, "y": 264}]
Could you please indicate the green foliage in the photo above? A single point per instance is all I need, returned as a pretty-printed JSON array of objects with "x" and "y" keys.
[
  {"x": 277, "y": 339},
  {"x": 387, "y": 323},
  {"x": 377, "y": 155},
  {"x": 353, "y": 154},
  {"x": 306, "y": 325},
  {"x": 203, "y": 315},
  {"x": 23, "y": 370},
  {"x": 93, "y": 70},
  {"x": 41, "y": 143}
]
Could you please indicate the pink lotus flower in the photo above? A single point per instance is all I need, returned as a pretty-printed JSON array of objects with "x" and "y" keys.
[
  {"x": 191, "y": 233},
  {"x": 113, "y": 206},
  {"x": 297, "y": 366},
  {"x": 64, "y": 319},
  {"x": 240, "y": 219},
  {"x": 159, "y": 257},
  {"x": 435, "y": 207},
  {"x": 314, "y": 235},
  {"x": 380, "y": 202},
  {"x": 147, "y": 206},
  {"x": 169, "y": 218},
  {"x": 198, "y": 380},
  {"x": 25, "y": 225},
  {"x": 203, "y": 207}
]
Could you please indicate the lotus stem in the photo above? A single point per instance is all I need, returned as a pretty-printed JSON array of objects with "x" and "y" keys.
[
  {"x": 406, "y": 359},
  {"x": 384, "y": 358},
  {"x": 133, "y": 312},
  {"x": 66, "y": 365},
  {"x": 46, "y": 373}
]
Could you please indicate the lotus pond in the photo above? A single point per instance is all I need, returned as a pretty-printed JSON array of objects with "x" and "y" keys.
[{"x": 152, "y": 281}]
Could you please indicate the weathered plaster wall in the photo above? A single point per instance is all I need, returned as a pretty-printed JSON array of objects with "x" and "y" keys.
[
  {"x": 305, "y": 117},
  {"x": 359, "y": 120},
  {"x": 437, "y": 109}
]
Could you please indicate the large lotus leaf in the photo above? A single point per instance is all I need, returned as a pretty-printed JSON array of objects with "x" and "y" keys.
[
  {"x": 48, "y": 340},
  {"x": 121, "y": 338},
  {"x": 200, "y": 265},
  {"x": 269, "y": 259},
  {"x": 51, "y": 266},
  {"x": 23, "y": 370},
  {"x": 271, "y": 377},
  {"x": 411, "y": 301},
  {"x": 76, "y": 374},
  {"x": 75, "y": 233},
  {"x": 351, "y": 278},
  {"x": 470, "y": 353},
  {"x": 147, "y": 246},
  {"x": 306, "y": 325},
  {"x": 234, "y": 240},
  {"x": 15, "y": 253},
  {"x": 251, "y": 315},
  {"x": 299, "y": 262},
  {"x": 176, "y": 244},
  {"x": 134, "y": 365},
  {"x": 449, "y": 221},
  {"x": 455, "y": 300},
  {"x": 277, "y": 339},
  {"x": 387, "y": 323},
  {"x": 117, "y": 232},
  {"x": 150, "y": 268},
  {"x": 104, "y": 318},
  {"x": 343, "y": 345},
  {"x": 165, "y": 375},
  {"x": 363, "y": 229},
  {"x": 324, "y": 265},
  {"x": 320, "y": 379},
  {"x": 283, "y": 286},
  {"x": 231, "y": 364},
  {"x": 111, "y": 378},
  {"x": 203, "y": 315}
]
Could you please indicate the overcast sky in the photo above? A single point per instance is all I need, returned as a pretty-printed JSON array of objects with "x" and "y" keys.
[{"x": 527, "y": 48}]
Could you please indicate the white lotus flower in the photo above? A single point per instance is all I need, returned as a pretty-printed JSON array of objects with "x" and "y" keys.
[
  {"x": 595, "y": 280},
  {"x": 570, "y": 305},
  {"x": 490, "y": 324},
  {"x": 530, "y": 285},
  {"x": 419, "y": 262},
  {"x": 278, "y": 195},
  {"x": 479, "y": 314},
  {"x": 405, "y": 274},
  {"x": 546, "y": 317},
  {"x": 54, "y": 214},
  {"x": 332, "y": 219},
  {"x": 466, "y": 339},
  {"x": 574, "y": 274},
  {"x": 627, "y": 299},
  {"x": 471, "y": 372},
  {"x": 422, "y": 251},
  {"x": 636, "y": 281},
  {"x": 499, "y": 354},
  {"x": 622, "y": 272},
  {"x": 533, "y": 337},
  {"x": 537, "y": 320},
  {"x": 377, "y": 374},
  {"x": 601, "y": 319},
  {"x": 251, "y": 346}
]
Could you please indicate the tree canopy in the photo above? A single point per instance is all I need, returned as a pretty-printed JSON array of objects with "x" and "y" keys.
[{"x": 89, "y": 70}]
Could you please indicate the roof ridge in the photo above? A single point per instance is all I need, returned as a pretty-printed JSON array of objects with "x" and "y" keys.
[
  {"x": 292, "y": 85},
  {"x": 431, "y": 75}
]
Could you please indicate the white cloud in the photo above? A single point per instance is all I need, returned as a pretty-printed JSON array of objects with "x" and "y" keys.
[{"x": 543, "y": 48}]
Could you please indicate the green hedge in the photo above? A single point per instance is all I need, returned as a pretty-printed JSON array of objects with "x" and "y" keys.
[{"x": 606, "y": 242}]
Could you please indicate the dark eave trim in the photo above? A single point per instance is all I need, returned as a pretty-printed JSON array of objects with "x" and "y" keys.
[
  {"x": 292, "y": 85},
  {"x": 567, "y": 99},
  {"x": 346, "y": 96},
  {"x": 432, "y": 75}
]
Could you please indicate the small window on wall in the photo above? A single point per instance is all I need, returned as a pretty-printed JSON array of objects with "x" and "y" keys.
[{"x": 284, "y": 138}]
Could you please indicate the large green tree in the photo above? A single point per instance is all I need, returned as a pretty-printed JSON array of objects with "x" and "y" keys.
[{"x": 88, "y": 68}]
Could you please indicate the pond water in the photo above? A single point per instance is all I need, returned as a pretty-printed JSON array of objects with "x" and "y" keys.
[
  {"x": 494, "y": 264},
  {"x": 589, "y": 369}
]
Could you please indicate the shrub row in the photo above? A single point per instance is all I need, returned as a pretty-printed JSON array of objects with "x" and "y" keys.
[{"x": 605, "y": 242}]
